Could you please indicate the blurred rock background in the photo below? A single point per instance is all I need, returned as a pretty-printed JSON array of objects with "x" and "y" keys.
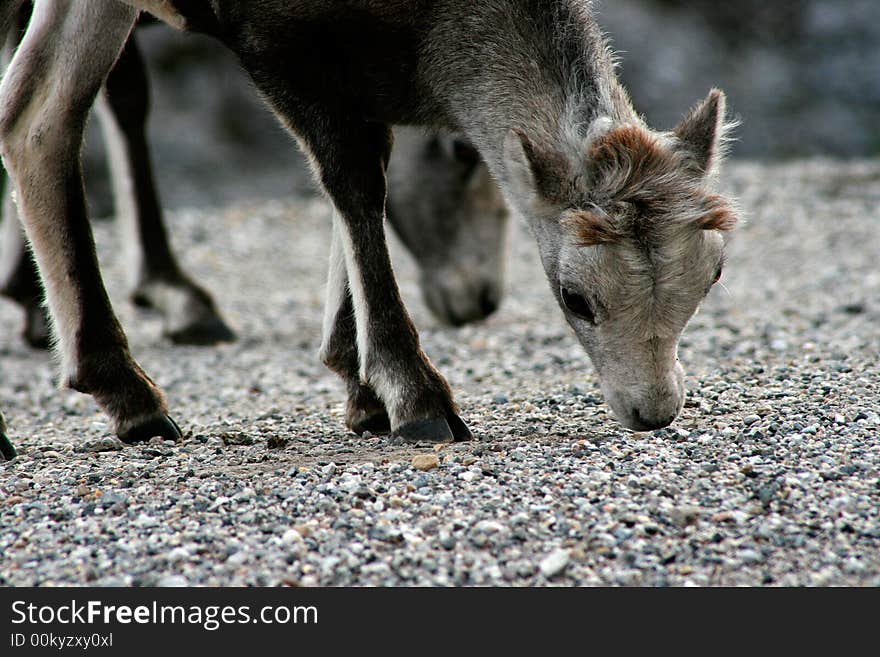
[{"x": 803, "y": 76}]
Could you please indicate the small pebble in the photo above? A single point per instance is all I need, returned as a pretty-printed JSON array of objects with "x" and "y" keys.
[
  {"x": 425, "y": 462},
  {"x": 554, "y": 563}
]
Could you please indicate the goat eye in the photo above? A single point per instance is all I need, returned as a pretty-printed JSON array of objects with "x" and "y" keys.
[
  {"x": 717, "y": 275},
  {"x": 577, "y": 305}
]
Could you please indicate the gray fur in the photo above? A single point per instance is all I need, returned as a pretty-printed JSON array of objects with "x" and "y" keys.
[
  {"x": 449, "y": 213},
  {"x": 442, "y": 203},
  {"x": 530, "y": 84}
]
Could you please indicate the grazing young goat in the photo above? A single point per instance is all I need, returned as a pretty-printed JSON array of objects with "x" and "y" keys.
[{"x": 626, "y": 224}]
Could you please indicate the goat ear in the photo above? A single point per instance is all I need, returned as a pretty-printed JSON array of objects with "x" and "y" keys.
[
  {"x": 529, "y": 170},
  {"x": 718, "y": 214},
  {"x": 702, "y": 132}
]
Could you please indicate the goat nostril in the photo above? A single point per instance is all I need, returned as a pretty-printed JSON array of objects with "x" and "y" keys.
[
  {"x": 649, "y": 424},
  {"x": 637, "y": 417},
  {"x": 488, "y": 301}
]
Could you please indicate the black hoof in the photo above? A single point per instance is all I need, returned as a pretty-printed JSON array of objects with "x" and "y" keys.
[
  {"x": 459, "y": 428},
  {"x": 375, "y": 422},
  {"x": 203, "y": 333},
  {"x": 7, "y": 450},
  {"x": 431, "y": 430},
  {"x": 365, "y": 412},
  {"x": 161, "y": 427}
]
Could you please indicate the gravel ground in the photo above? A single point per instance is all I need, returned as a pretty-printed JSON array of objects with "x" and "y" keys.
[{"x": 770, "y": 477}]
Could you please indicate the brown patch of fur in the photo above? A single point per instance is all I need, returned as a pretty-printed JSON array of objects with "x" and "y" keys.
[
  {"x": 630, "y": 159},
  {"x": 719, "y": 215},
  {"x": 592, "y": 227},
  {"x": 631, "y": 165}
]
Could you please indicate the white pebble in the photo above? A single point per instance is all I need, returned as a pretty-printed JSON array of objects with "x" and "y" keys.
[{"x": 554, "y": 563}]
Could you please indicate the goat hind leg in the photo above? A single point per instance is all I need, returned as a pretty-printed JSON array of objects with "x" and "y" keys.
[
  {"x": 19, "y": 279},
  {"x": 156, "y": 278},
  {"x": 8, "y": 9},
  {"x": 44, "y": 102}
]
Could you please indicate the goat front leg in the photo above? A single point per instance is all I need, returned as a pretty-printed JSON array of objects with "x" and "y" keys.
[
  {"x": 155, "y": 277},
  {"x": 44, "y": 102},
  {"x": 351, "y": 157},
  {"x": 339, "y": 352}
]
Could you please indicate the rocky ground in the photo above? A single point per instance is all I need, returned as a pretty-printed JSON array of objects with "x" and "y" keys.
[{"x": 770, "y": 477}]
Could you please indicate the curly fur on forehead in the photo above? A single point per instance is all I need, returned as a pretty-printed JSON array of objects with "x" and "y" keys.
[
  {"x": 629, "y": 162},
  {"x": 642, "y": 182}
]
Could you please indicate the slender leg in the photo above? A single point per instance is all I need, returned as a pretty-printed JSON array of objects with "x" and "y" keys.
[
  {"x": 19, "y": 280},
  {"x": 45, "y": 97},
  {"x": 339, "y": 349},
  {"x": 8, "y": 9},
  {"x": 351, "y": 157},
  {"x": 155, "y": 277}
]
